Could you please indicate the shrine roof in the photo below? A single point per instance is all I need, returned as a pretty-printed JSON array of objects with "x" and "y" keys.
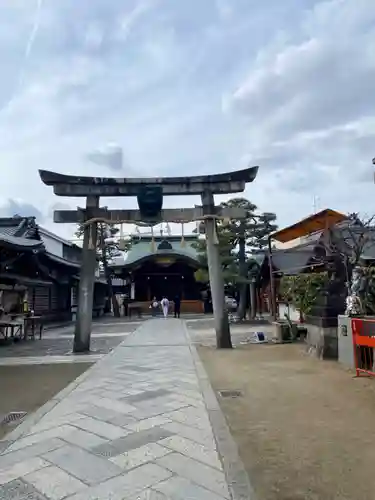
[
  {"x": 24, "y": 234},
  {"x": 163, "y": 246},
  {"x": 312, "y": 224},
  {"x": 293, "y": 261},
  {"x": 20, "y": 233}
]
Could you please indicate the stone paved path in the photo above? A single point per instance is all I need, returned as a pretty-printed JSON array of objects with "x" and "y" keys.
[{"x": 135, "y": 426}]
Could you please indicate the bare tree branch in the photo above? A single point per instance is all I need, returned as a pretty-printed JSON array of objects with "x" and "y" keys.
[{"x": 351, "y": 240}]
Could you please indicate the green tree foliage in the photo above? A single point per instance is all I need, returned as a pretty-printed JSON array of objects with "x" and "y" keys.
[
  {"x": 265, "y": 225},
  {"x": 105, "y": 248},
  {"x": 302, "y": 290},
  {"x": 238, "y": 238},
  {"x": 254, "y": 230},
  {"x": 226, "y": 254},
  {"x": 201, "y": 275}
]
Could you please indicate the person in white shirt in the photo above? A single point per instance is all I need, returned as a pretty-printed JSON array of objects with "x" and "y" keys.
[{"x": 165, "y": 306}]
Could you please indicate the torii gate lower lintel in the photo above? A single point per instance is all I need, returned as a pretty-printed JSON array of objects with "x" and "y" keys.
[
  {"x": 177, "y": 215},
  {"x": 94, "y": 187}
]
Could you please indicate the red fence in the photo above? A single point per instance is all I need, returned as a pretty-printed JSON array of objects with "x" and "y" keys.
[{"x": 363, "y": 345}]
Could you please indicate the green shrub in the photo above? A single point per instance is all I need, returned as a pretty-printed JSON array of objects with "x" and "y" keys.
[{"x": 302, "y": 290}]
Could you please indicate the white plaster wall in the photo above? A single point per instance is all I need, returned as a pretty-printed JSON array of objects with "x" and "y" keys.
[
  {"x": 289, "y": 244},
  {"x": 293, "y": 312}
]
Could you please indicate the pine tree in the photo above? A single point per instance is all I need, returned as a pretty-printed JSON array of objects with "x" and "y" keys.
[{"x": 237, "y": 239}]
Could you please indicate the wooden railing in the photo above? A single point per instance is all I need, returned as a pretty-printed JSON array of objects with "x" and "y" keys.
[{"x": 187, "y": 306}]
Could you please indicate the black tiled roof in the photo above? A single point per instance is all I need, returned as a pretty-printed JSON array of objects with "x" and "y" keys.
[
  {"x": 293, "y": 261},
  {"x": 11, "y": 226},
  {"x": 61, "y": 260},
  {"x": 19, "y": 232}
]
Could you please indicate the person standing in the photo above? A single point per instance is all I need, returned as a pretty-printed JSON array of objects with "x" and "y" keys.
[
  {"x": 125, "y": 304},
  {"x": 177, "y": 306},
  {"x": 154, "y": 306},
  {"x": 165, "y": 306}
]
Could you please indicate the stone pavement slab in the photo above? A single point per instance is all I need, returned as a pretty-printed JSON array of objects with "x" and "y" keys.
[{"x": 134, "y": 426}]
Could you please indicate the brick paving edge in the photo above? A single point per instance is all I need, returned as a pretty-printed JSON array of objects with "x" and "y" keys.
[
  {"x": 35, "y": 416},
  {"x": 237, "y": 478}
]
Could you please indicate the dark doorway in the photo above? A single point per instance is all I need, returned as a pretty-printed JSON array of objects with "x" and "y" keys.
[{"x": 155, "y": 280}]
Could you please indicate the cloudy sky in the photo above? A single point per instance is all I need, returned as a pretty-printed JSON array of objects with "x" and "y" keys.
[{"x": 168, "y": 87}]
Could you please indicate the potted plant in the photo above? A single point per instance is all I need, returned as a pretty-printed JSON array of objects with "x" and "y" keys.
[{"x": 301, "y": 291}]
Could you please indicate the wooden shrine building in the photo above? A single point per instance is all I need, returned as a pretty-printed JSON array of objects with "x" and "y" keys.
[
  {"x": 39, "y": 271},
  {"x": 161, "y": 266}
]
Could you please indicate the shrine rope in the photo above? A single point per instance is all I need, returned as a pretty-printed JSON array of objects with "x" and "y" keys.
[
  {"x": 103, "y": 220},
  {"x": 126, "y": 221}
]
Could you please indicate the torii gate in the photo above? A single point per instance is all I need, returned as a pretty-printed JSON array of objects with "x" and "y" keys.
[{"x": 150, "y": 192}]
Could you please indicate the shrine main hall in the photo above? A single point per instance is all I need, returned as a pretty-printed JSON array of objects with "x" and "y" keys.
[{"x": 160, "y": 266}]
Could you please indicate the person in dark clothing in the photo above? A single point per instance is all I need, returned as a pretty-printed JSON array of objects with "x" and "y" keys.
[
  {"x": 125, "y": 303},
  {"x": 177, "y": 306}
]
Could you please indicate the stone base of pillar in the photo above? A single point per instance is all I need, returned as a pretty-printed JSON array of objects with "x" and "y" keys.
[
  {"x": 223, "y": 338},
  {"x": 322, "y": 338}
]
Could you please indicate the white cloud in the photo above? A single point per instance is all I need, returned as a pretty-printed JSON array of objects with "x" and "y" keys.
[
  {"x": 148, "y": 78},
  {"x": 310, "y": 107},
  {"x": 94, "y": 36},
  {"x": 110, "y": 156},
  {"x": 14, "y": 207},
  {"x": 225, "y": 9},
  {"x": 129, "y": 19}
]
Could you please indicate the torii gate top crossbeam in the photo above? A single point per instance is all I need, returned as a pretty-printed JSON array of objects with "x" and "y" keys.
[{"x": 71, "y": 185}]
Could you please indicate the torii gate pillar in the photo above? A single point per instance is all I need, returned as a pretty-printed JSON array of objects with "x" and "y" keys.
[
  {"x": 93, "y": 187},
  {"x": 223, "y": 339},
  {"x": 82, "y": 331}
]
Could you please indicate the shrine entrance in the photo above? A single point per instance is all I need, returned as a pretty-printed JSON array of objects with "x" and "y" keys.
[
  {"x": 149, "y": 193},
  {"x": 158, "y": 266},
  {"x": 153, "y": 281}
]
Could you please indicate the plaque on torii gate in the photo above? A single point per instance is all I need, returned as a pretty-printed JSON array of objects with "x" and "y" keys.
[{"x": 150, "y": 193}]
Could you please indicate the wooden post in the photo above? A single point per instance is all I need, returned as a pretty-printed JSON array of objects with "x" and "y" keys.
[
  {"x": 241, "y": 312},
  {"x": 253, "y": 300},
  {"x": 223, "y": 338},
  {"x": 83, "y": 325},
  {"x": 272, "y": 297}
]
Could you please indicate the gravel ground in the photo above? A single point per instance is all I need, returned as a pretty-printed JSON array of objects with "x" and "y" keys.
[
  {"x": 304, "y": 428},
  {"x": 56, "y": 347},
  {"x": 203, "y": 333},
  {"x": 27, "y": 387}
]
